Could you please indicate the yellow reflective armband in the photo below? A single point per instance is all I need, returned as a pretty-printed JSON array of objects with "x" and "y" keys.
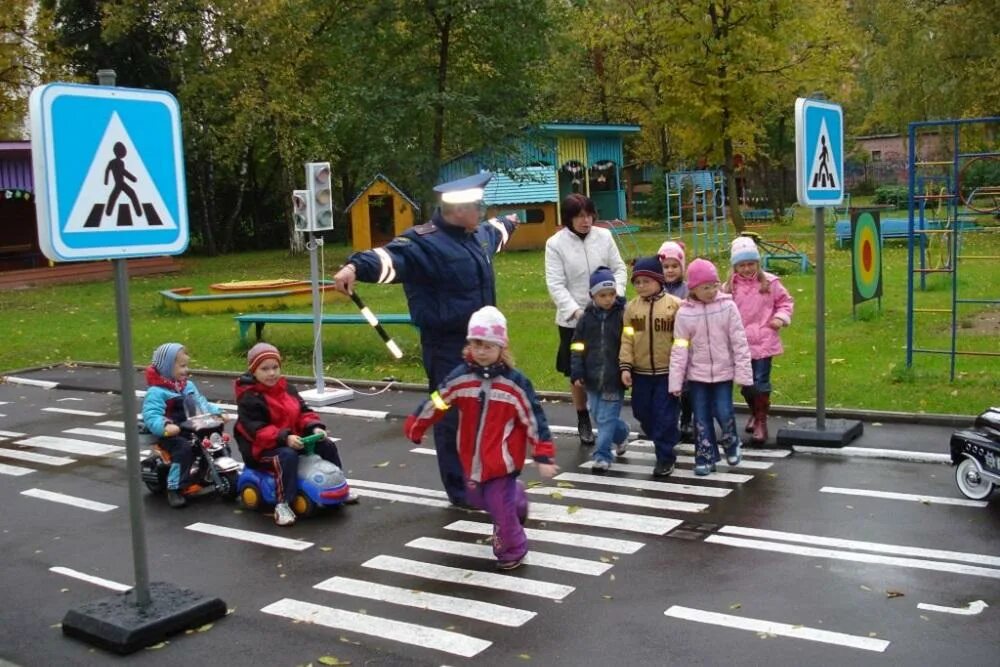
[
  {"x": 628, "y": 331},
  {"x": 577, "y": 347},
  {"x": 438, "y": 401},
  {"x": 682, "y": 342}
]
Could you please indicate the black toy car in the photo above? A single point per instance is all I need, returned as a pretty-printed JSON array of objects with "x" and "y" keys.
[{"x": 976, "y": 452}]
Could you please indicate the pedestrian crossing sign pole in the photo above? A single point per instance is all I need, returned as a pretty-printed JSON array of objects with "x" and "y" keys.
[
  {"x": 109, "y": 178},
  {"x": 819, "y": 178},
  {"x": 109, "y": 172}
]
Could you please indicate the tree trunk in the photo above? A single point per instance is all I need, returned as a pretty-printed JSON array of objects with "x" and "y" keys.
[
  {"x": 208, "y": 209},
  {"x": 444, "y": 41}
]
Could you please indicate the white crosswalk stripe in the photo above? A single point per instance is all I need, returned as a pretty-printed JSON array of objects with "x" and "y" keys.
[
  {"x": 14, "y": 471},
  {"x": 70, "y": 411},
  {"x": 457, "y": 575},
  {"x": 97, "y": 433},
  {"x": 70, "y": 445},
  {"x": 73, "y": 501},
  {"x": 446, "y": 604},
  {"x": 650, "y": 456},
  {"x": 679, "y": 473},
  {"x": 33, "y": 457},
  {"x": 250, "y": 536},
  {"x": 607, "y": 544},
  {"x": 644, "y": 484},
  {"x": 619, "y": 499},
  {"x": 539, "y": 559}
]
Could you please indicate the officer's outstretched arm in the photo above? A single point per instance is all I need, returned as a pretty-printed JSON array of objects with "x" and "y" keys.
[{"x": 388, "y": 264}]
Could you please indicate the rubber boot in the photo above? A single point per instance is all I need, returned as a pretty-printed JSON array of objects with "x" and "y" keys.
[
  {"x": 762, "y": 404},
  {"x": 584, "y": 429},
  {"x": 748, "y": 395}
]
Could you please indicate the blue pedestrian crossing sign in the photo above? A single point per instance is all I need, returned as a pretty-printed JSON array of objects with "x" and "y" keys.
[
  {"x": 819, "y": 152},
  {"x": 109, "y": 172}
]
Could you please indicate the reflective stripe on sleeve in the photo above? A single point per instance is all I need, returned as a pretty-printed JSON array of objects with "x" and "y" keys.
[
  {"x": 438, "y": 401},
  {"x": 682, "y": 342},
  {"x": 577, "y": 347},
  {"x": 628, "y": 331},
  {"x": 499, "y": 226},
  {"x": 388, "y": 273}
]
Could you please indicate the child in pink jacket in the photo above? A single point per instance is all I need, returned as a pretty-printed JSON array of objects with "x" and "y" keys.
[
  {"x": 710, "y": 351},
  {"x": 765, "y": 306}
]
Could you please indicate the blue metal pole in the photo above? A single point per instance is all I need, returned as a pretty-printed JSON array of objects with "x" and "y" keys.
[
  {"x": 909, "y": 246},
  {"x": 954, "y": 260}
]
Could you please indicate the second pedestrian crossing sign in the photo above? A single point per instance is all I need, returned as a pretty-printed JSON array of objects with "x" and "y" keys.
[
  {"x": 819, "y": 152},
  {"x": 109, "y": 172}
]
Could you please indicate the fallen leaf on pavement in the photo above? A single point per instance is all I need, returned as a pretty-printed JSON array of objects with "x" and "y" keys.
[
  {"x": 384, "y": 464},
  {"x": 331, "y": 660},
  {"x": 893, "y": 594},
  {"x": 735, "y": 605},
  {"x": 572, "y": 509}
]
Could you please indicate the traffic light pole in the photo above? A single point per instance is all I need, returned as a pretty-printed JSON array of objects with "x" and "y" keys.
[{"x": 317, "y": 300}]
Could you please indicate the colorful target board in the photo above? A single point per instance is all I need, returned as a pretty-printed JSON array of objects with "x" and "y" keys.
[{"x": 866, "y": 256}]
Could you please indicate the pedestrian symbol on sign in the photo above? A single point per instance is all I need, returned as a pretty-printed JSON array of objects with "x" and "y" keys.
[
  {"x": 823, "y": 174},
  {"x": 118, "y": 193}
]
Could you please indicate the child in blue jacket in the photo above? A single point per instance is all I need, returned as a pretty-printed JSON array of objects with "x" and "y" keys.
[
  {"x": 163, "y": 411},
  {"x": 594, "y": 365}
]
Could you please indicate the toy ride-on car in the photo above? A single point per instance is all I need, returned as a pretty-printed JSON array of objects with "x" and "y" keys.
[
  {"x": 321, "y": 483},
  {"x": 976, "y": 452},
  {"x": 212, "y": 466}
]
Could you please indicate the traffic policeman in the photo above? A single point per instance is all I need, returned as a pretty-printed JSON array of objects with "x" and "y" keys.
[{"x": 446, "y": 268}]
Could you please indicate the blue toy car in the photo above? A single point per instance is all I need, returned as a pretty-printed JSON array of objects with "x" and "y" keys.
[
  {"x": 321, "y": 484},
  {"x": 976, "y": 453}
]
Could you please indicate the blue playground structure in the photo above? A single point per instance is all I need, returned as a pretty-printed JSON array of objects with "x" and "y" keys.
[
  {"x": 696, "y": 203},
  {"x": 940, "y": 210}
]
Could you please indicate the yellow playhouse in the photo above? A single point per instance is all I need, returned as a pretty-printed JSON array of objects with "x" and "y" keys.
[{"x": 379, "y": 214}]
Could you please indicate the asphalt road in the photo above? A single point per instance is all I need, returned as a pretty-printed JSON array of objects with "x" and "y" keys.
[{"x": 779, "y": 561}]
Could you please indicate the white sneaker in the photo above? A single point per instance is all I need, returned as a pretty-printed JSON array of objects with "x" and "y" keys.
[
  {"x": 621, "y": 448},
  {"x": 283, "y": 515}
]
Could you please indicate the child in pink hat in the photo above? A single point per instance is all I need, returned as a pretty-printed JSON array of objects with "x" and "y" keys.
[
  {"x": 499, "y": 419},
  {"x": 710, "y": 352}
]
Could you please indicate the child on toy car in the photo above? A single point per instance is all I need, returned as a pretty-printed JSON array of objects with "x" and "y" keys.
[{"x": 271, "y": 420}]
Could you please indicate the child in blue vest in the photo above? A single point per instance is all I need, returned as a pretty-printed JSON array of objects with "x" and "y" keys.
[{"x": 594, "y": 365}]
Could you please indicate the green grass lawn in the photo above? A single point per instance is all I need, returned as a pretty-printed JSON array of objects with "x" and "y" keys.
[{"x": 866, "y": 356}]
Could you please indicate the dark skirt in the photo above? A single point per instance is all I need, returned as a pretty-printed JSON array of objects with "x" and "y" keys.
[{"x": 563, "y": 353}]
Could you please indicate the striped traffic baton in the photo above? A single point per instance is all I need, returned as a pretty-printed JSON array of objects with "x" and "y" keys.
[{"x": 372, "y": 320}]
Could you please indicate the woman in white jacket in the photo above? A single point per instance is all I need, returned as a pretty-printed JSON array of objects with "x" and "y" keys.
[{"x": 571, "y": 255}]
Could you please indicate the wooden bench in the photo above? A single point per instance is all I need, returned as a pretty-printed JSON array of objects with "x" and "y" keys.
[
  {"x": 261, "y": 319},
  {"x": 892, "y": 228}
]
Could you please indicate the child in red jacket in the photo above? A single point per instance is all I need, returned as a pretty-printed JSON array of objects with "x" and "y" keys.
[
  {"x": 499, "y": 417},
  {"x": 271, "y": 420}
]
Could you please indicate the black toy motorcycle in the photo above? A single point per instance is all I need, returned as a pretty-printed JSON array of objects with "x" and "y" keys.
[
  {"x": 213, "y": 467},
  {"x": 976, "y": 452}
]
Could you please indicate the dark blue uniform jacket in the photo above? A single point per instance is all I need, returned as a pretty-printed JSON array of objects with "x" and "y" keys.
[
  {"x": 447, "y": 272},
  {"x": 594, "y": 349}
]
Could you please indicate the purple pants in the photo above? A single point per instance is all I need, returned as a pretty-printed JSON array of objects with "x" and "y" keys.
[{"x": 507, "y": 504}]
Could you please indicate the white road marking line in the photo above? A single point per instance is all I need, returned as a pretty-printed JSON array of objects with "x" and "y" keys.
[
  {"x": 890, "y": 495},
  {"x": 91, "y": 579},
  {"x": 59, "y": 400},
  {"x": 619, "y": 499},
  {"x": 689, "y": 449},
  {"x": 971, "y": 609},
  {"x": 250, "y": 536},
  {"x": 44, "y": 384},
  {"x": 644, "y": 484},
  {"x": 62, "y": 498},
  {"x": 112, "y": 424},
  {"x": 351, "y": 412},
  {"x": 650, "y": 456},
  {"x": 383, "y": 486},
  {"x": 382, "y": 628},
  {"x": 636, "y": 523},
  {"x": 856, "y": 556},
  {"x": 679, "y": 473},
  {"x": 773, "y": 628},
  {"x": 71, "y": 445},
  {"x": 608, "y": 544},
  {"x": 4, "y": 402},
  {"x": 12, "y": 434},
  {"x": 918, "y": 552},
  {"x": 14, "y": 471},
  {"x": 34, "y": 457},
  {"x": 458, "y": 575},
  {"x": 427, "y": 451},
  {"x": 70, "y": 411},
  {"x": 551, "y": 561},
  {"x": 143, "y": 453},
  {"x": 97, "y": 433},
  {"x": 446, "y": 604},
  {"x": 874, "y": 453}
]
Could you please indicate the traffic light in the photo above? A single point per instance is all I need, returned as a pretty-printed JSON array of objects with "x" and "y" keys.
[
  {"x": 320, "y": 196},
  {"x": 300, "y": 210}
]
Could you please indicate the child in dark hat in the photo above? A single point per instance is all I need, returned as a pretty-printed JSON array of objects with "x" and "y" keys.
[
  {"x": 163, "y": 411},
  {"x": 271, "y": 420},
  {"x": 594, "y": 365},
  {"x": 644, "y": 360}
]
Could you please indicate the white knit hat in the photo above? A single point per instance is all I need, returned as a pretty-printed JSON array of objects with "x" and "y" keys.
[
  {"x": 743, "y": 249},
  {"x": 488, "y": 324}
]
